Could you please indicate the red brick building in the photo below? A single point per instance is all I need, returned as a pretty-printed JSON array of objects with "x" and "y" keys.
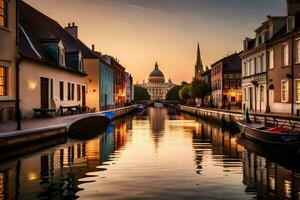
[
  {"x": 226, "y": 82},
  {"x": 283, "y": 75},
  {"x": 120, "y": 84}
]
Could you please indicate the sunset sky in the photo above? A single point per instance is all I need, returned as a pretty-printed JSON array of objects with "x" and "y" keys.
[{"x": 141, "y": 32}]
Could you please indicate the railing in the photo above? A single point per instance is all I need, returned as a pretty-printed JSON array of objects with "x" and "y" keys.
[
  {"x": 270, "y": 119},
  {"x": 7, "y": 114}
]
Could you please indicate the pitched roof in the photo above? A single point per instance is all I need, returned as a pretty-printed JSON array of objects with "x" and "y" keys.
[
  {"x": 232, "y": 63},
  {"x": 37, "y": 28}
]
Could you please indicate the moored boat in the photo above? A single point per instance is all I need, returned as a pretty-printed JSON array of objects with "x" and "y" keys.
[{"x": 278, "y": 136}]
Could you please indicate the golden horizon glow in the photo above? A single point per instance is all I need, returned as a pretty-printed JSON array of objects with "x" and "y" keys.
[{"x": 141, "y": 33}]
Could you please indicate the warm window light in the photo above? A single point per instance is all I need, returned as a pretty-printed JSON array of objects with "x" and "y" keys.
[
  {"x": 32, "y": 176},
  {"x": 32, "y": 85}
]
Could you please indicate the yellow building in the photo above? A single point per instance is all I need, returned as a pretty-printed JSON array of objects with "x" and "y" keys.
[{"x": 55, "y": 65}]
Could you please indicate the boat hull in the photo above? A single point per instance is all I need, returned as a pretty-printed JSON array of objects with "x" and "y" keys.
[{"x": 282, "y": 140}]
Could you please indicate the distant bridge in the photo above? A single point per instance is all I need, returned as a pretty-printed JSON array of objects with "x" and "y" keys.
[{"x": 166, "y": 103}]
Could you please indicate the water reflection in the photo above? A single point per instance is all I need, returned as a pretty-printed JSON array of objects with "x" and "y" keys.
[{"x": 190, "y": 159}]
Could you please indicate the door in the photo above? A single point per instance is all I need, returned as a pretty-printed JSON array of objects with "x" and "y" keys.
[
  {"x": 251, "y": 98},
  {"x": 271, "y": 100},
  {"x": 83, "y": 96},
  {"x": 44, "y": 92}
]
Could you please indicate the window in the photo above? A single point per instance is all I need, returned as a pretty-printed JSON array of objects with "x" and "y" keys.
[
  {"x": 226, "y": 84},
  {"x": 271, "y": 59},
  {"x": 3, "y": 81},
  {"x": 3, "y": 13},
  {"x": 61, "y": 90},
  {"x": 245, "y": 94},
  {"x": 232, "y": 84},
  {"x": 250, "y": 67},
  {"x": 78, "y": 93},
  {"x": 73, "y": 91},
  {"x": 298, "y": 91},
  {"x": 262, "y": 68},
  {"x": 69, "y": 91},
  {"x": 262, "y": 95},
  {"x": 285, "y": 51},
  {"x": 232, "y": 99},
  {"x": 298, "y": 51},
  {"x": 284, "y": 91}
]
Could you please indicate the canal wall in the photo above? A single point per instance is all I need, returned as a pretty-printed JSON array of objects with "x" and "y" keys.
[
  {"x": 72, "y": 125},
  {"x": 227, "y": 116}
]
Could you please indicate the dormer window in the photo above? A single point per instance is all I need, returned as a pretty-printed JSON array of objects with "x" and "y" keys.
[
  {"x": 61, "y": 54},
  {"x": 56, "y": 50},
  {"x": 74, "y": 61},
  {"x": 3, "y": 13}
]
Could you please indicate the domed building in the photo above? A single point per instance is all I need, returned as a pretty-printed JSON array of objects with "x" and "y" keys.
[{"x": 157, "y": 86}]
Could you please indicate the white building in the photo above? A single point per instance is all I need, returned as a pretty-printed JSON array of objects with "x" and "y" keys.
[
  {"x": 254, "y": 62},
  {"x": 157, "y": 86}
]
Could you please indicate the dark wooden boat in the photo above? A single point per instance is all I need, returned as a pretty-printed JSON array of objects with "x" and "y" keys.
[{"x": 283, "y": 137}]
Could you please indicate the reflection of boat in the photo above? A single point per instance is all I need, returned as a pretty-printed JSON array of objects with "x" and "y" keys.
[
  {"x": 140, "y": 107},
  {"x": 279, "y": 136},
  {"x": 158, "y": 105},
  {"x": 286, "y": 158}
]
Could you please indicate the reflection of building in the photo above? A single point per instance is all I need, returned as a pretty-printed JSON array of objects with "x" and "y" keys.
[
  {"x": 120, "y": 133},
  {"x": 269, "y": 180},
  {"x": 226, "y": 81},
  {"x": 57, "y": 174},
  {"x": 156, "y": 86},
  {"x": 157, "y": 119}
]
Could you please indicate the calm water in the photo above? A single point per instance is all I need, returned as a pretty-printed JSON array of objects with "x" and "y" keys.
[{"x": 160, "y": 155}]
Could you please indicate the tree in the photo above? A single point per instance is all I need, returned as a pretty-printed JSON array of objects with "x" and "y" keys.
[
  {"x": 184, "y": 92},
  {"x": 199, "y": 89},
  {"x": 141, "y": 93},
  {"x": 173, "y": 94}
]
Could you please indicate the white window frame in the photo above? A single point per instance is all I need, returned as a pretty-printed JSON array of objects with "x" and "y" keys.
[
  {"x": 285, "y": 54},
  {"x": 269, "y": 58},
  {"x": 298, "y": 51},
  {"x": 296, "y": 100},
  {"x": 281, "y": 91},
  {"x": 61, "y": 54}
]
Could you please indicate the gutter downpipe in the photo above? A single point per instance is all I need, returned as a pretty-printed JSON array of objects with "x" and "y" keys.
[
  {"x": 18, "y": 61},
  {"x": 292, "y": 76}
]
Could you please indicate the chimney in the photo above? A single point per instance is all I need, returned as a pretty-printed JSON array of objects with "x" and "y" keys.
[
  {"x": 93, "y": 47},
  {"x": 293, "y": 6},
  {"x": 73, "y": 30}
]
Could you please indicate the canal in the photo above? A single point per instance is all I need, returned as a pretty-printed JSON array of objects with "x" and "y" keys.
[{"x": 160, "y": 154}]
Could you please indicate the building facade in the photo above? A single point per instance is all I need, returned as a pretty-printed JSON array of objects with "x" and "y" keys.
[
  {"x": 8, "y": 57},
  {"x": 226, "y": 82},
  {"x": 120, "y": 83},
  {"x": 283, "y": 64},
  {"x": 52, "y": 66},
  {"x": 129, "y": 88},
  {"x": 107, "y": 84},
  {"x": 157, "y": 87},
  {"x": 254, "y": 61}
]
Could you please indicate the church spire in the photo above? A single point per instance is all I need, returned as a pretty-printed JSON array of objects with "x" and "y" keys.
[
  {"x": 199, "y": 66},
  {"x": 199, "y": 61}
]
